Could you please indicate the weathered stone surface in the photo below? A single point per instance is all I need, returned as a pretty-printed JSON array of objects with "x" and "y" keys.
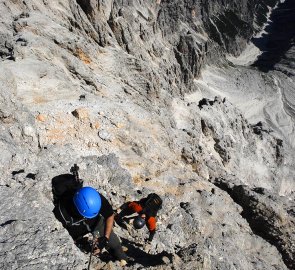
[
  {"x": 269, "y": 216},
  {"x": 104, "y": 135},
  {"x": 81, "y": 113}
]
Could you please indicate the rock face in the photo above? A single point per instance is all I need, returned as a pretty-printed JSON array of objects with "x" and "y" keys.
[
  {"x": 119, "y": 88},
  {"x": 270, "y": 216},
  {"x": 278, "y": 45},
  {"x": 197, "y": 32}
]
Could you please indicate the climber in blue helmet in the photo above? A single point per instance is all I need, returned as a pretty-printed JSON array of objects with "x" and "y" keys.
[
  {"x": 84, "y": 210},
  {"x": 88, "y": 202}
]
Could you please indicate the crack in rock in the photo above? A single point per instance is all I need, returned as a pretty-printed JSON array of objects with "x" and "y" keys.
[{"x": 266, "y": 216}]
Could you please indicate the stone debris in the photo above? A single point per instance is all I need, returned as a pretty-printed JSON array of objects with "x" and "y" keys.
[
  {"x": 104, "y": 135},
  {"x": 81, "y": 113},
  {"x": 41, "y": 118}
]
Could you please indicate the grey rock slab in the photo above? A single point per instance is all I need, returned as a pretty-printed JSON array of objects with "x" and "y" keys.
[{"x": 104, "y": 135}]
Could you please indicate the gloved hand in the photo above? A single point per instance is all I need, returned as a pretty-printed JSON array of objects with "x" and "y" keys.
[
  {"x": 96, "y": 251},
  {"x": 102, "y": 242}
]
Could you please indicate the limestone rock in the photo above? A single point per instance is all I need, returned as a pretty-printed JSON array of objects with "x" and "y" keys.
[
  {"x": 104, "y": 135},
  {"x": 268, "y": 215},
  {"x": 81, "y": 113}
]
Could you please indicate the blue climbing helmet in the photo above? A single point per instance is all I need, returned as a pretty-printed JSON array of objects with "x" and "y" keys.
[{"x": 88, "y": 202}]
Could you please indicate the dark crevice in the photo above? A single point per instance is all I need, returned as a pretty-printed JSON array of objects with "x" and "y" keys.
[
  {"x": 17, "y": 172},
  {"x": 7, "y": 222},
  {"x": 31, "y": 176},
  {"x": 279, "y": 36},
  {"x": 85, "y": 6}
]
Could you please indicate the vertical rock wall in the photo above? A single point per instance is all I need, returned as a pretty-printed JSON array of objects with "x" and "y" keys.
[{"x": 192, "y": 32}]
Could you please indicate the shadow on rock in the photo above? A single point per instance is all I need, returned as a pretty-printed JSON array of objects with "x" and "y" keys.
[
  {"x": 139, "y": 256},
  {"x": 279, "y": 36},
  {"x": 121, "y": 219}
]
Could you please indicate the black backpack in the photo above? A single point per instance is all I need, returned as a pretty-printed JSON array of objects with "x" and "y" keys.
[
  {"x": 153, "y": 203},
  {"x": 64, "y": 183}
]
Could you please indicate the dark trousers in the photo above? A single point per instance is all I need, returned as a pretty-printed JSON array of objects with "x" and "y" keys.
[{"x": 114, "y": 246}]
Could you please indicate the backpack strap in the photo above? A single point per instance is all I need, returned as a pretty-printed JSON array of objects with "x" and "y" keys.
[{"x": 68, "y": 220}]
